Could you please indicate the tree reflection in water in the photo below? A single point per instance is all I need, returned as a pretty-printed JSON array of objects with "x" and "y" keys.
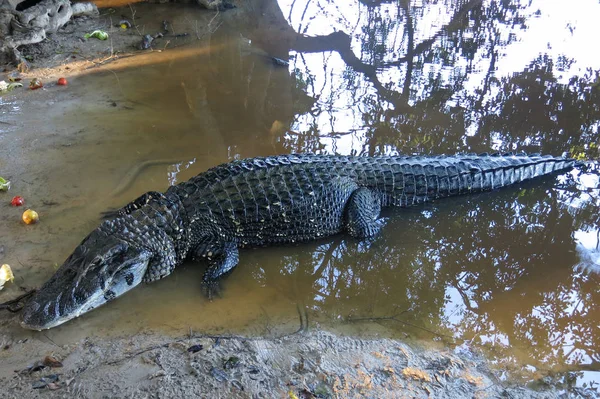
[{"x": 509, "y": 272}]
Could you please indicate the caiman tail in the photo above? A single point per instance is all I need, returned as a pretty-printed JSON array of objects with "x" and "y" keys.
[{"x": 405, "y": 181}]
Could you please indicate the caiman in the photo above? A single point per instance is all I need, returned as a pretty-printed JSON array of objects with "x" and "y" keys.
[{"x": 256, "y": 202}]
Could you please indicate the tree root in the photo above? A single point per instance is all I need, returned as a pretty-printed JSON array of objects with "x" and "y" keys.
[{"x": 31, "y": 25}]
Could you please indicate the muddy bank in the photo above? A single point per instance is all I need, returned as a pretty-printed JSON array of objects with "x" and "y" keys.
[{"x": 304, "y": 365}]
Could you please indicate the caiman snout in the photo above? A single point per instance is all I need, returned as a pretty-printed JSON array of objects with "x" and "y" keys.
[
  {"x": 30, "y": 318},
  {"x": 100, "y": 269}
]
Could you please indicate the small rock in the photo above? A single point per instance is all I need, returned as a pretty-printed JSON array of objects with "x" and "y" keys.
[{"x": 195, "y": 348}]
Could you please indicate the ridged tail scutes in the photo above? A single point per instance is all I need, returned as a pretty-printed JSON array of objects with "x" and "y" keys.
[
  {"x": 489, "y": 172},
  {"x": 420, "y": 179}
]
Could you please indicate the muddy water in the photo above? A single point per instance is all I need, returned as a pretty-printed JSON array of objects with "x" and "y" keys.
[{"x": 514, "y": 273}]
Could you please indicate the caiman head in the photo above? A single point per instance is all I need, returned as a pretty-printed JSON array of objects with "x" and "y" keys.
[{"x": 104, "y": 266}]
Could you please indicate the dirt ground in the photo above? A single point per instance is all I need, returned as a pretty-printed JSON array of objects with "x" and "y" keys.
[
  {"x": 314, "y": 364},
  {"x": 305, "y": 365},
  {"x": 68, "y": 52}
]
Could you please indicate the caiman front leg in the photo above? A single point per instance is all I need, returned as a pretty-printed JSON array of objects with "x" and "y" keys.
[{"x": 222, "y": 258}]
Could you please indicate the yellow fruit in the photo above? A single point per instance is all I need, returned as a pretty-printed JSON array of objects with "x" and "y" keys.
[
  {"x": 6, "y": 274},
  {"x": 30, "y": 216}
]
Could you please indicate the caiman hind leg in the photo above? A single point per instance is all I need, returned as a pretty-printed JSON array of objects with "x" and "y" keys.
[
  {"x": 362, "y": 214},
  {"x": 222, "y": 258}
]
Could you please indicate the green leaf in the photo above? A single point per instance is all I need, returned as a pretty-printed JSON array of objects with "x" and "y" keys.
[
  {"x": 14, "y": 85},
  {"x": 4, "y": 184},
  {"x": 98, "y": 34}
]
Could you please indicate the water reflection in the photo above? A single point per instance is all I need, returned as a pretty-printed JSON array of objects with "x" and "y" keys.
[
  {"x": 500, "y": 272},
  {"x": 446, "y": 76},
  {"x": 513, "y": 273}
]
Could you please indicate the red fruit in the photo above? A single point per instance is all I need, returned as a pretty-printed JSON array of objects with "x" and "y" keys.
[
  {"x": 35, "y": 84},
  {"x": 62, "y": 82},
  {"x": 17, "y": 201}
]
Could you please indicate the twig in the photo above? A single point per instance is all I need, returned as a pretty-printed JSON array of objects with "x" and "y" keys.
[
  {"x": 151, "y": 348},
  {"x": 197, "y": 33},
  {"x": 111, "y": 33},
  {"x": 213, "y": 18},
  {"x": 8, "y": 305},
  {"x": 212, "y": 31},
  {"x": 109, "y": 59},
  {"x": 133, "y": 19},
  {"x": 50, "y": 339}
]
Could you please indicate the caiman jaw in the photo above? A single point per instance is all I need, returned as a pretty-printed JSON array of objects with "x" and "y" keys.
[{"x": 100, "y": 269}]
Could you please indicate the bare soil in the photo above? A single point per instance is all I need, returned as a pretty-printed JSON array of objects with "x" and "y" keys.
[{"x": 305, "y": 365}]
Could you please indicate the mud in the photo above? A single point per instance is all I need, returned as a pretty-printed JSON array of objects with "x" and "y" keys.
[{"x": 304, "y": 365}]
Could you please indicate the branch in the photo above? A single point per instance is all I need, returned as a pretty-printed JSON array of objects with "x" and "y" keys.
[
  {"x": 426, "y": 45},
  {"x": 340, "y": 42}
]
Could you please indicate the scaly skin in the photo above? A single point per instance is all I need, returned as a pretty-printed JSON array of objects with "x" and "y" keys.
[{"x": 256, "y": 202}]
